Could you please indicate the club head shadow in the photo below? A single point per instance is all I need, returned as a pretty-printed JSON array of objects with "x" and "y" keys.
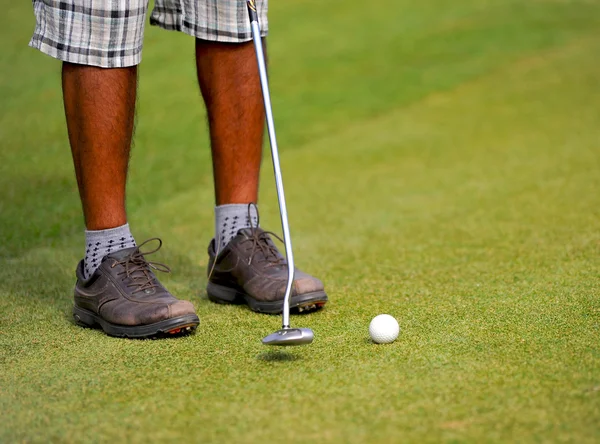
[{"x": 289, "y": 337}]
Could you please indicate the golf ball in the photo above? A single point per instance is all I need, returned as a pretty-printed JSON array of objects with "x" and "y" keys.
[{"x": 384, "y": 329}]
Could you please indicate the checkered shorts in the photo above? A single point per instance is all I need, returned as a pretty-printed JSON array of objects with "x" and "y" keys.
[{"x": 110, "y": 33}]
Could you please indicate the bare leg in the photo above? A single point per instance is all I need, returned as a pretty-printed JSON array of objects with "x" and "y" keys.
[
  {"x": 230, "y": 85},
  {"x": 100, "y": 110}
]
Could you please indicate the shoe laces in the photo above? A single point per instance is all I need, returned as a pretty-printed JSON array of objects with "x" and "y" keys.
[
  {"x": 261, "y": 242},
  {"x": 138, "y": 268}
]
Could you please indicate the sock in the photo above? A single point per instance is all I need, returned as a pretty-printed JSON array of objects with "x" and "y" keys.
[
  {"x": 231, "y": 218},
  {"x": 102, "y": 242}
]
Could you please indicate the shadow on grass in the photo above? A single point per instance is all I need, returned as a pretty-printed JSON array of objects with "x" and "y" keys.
[
  {"x": 37, "y": 211},
  {"x": 277, "y": 356}
]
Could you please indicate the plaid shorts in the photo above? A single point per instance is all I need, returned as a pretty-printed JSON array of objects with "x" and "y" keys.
[{"x": 110, "y": 33}]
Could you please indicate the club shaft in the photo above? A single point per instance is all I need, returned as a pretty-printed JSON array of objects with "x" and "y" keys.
[{"x": 276, "y": 167}]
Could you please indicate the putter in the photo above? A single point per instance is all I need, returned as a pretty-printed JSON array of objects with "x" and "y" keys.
[{"x": 287, "y": 335}]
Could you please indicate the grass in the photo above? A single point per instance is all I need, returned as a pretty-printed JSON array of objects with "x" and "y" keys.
[{"x": 441, "y": 165}]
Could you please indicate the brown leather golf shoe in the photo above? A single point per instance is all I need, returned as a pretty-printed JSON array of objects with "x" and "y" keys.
[
  {"x": 250, "y": 270},
  {"x": 125, "y": 299}
]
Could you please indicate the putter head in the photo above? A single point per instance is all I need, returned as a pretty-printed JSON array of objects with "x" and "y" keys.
[{"x": 290, "y": 336}]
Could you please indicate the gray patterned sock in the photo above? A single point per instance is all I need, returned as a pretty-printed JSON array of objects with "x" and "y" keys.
[
  {"x": 231, "y": 218},
  {"x": 102, "y": 242}
]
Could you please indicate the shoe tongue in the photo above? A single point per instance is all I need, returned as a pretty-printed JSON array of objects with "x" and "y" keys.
[{"x": 121, "y": 254}]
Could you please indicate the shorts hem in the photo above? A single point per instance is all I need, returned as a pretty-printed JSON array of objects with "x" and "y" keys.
[
  {"x": 181, "y": 24},
  {"x": 82, "y": 56}
]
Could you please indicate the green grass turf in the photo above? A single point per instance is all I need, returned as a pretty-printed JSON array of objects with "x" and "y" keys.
[{"x": 442, "y": 164}]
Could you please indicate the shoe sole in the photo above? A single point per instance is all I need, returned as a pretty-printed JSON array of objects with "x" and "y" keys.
[
  {"x": 300, "y": 303},
  {"x": 169, "y": 327}
]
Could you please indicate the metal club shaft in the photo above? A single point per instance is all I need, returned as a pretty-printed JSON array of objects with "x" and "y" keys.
[{"x": 264, "y": 83}]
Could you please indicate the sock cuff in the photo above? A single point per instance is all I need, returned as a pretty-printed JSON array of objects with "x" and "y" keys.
[
  {"x": 229, "y": 210},
  {"x": 108, "y": 232},
  {"x": 236, "y": 207}
]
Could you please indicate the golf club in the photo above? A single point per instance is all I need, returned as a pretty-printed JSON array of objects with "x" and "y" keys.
[{"x": 287, "y": 335}]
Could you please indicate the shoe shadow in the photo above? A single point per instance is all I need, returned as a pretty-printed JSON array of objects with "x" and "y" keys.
[{"x": 277, "y": 356}]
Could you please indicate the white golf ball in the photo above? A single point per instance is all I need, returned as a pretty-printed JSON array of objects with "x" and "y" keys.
[{"x": 384, "y": 329}]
